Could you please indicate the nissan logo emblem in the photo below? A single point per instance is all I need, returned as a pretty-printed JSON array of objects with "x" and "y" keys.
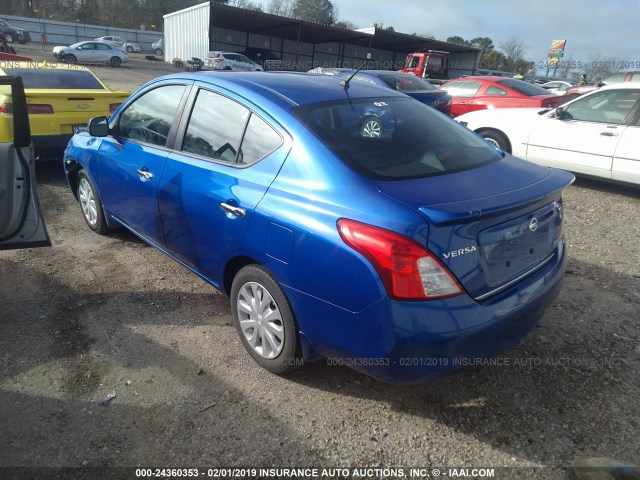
[{"x": 533, "y": 224}]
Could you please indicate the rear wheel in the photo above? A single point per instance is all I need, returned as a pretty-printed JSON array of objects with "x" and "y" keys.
[
  {"x": 69, "y": 58},
  {"x": 9, "y": 37},
  {"x": 115, "y": 62},
  {"x": 496, "y": 138},
  {"x": 264, "y": 320},
  {"x": 129, "y": 49},
  {"x": 91, "y": 204}
]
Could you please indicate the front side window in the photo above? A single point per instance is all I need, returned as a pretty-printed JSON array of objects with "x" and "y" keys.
[
  {"x": 150, "y": 117},
  {"x": 215, "y": 127},
  {"x": 610, "y": 107},
  {"x": 395, "y": 138},
  {"x": 525, "y": 88},
  {"x": 88, "y": 46}
]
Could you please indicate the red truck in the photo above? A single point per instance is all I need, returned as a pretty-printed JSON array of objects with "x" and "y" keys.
[{"x": 430, "y": 64}]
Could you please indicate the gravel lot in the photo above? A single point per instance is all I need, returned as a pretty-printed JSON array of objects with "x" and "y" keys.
[{"x": 96, "y": 314}]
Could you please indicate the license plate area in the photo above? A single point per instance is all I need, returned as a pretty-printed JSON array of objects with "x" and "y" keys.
[
  {"x": 79, "y": 128},
  {"x": 511, "y": 248}
]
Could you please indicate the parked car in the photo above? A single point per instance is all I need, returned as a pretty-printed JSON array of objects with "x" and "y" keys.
[
  {"x": 21, "y": 222},
  {"x": 129, "y": 47},
  {"x": 558, "y": 87},
  {"x": 231, "y": 61},
  {"x": 482, "y": 92},
  {"x": 158, "y": 47},
  {"x": 373, "y": 252},
  {"x": 596, "y": 135},
  {"x": 406, "y": 83},
  {"x": 14, "y": 34},
  {"x": 61, "y": 102},
  {"x": 91, "y": 52},
  {"x": 618, "y": 77},
  {"x": 263, "y": 57}
]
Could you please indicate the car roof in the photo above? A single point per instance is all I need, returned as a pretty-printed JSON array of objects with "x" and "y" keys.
[
  {"x": 620, "y": 86},
  {"x": 291, "y": 87}
]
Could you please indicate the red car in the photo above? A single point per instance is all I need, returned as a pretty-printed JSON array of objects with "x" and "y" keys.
[{"x": 479, "y": 93}]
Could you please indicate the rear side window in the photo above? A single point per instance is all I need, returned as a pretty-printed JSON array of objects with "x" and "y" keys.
[
  {"x": 215, "y": 127},
  {"x": 56, "y": 79},
  {"x": 495, "y": 91},
  {"x": 395, "y": 138},
  {"x": 259, "y": 140},
  {"x": 150, "y": 117}
]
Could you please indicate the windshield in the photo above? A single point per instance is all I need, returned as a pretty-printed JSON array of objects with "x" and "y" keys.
[
  {"x": 406, "y": 83},
  {"x": 56, "y": 79},
  {"x": 395, "y": 138},
  {"x": 525, "y": 88}
]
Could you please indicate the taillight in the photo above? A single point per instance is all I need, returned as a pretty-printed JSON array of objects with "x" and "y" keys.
[
  {"x": 408, "y": 270},
  {"x": 39, "y": 108},
  {"x": 33, "y": 108},
  {"x": 113, "y": 107}
]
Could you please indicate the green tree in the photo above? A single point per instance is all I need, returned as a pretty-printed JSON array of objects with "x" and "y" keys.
[
  {"x": 284, "y": 8},
  {"x": 457, "y": 39},
  {"x": 494, "y": 60},
  {"x": 319, "y": 11},
  {"x": 485, "y": 44}
]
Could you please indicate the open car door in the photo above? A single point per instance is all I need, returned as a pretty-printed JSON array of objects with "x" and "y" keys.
[{"x": 21, "y": 223}]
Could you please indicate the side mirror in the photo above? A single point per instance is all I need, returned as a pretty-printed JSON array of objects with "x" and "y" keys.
[
  {"x": 557, "y": 113},
  {"x": 98, "y": 127}
]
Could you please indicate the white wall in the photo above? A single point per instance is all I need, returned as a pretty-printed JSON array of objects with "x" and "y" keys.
[{"x": 186, "y": 33}]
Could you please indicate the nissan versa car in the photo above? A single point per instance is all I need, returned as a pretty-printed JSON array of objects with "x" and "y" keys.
[{"x": 399, "y": 255}]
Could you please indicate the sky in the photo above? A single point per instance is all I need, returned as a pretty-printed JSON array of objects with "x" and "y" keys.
[{"x": 608, "y": 28}]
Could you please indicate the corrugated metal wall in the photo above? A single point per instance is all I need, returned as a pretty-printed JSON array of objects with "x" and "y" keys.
[
  {"x": 66, "y": 33},
  {"x": 186, "y": 33}
]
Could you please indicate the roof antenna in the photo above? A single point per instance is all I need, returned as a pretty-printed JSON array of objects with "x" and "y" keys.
[{"x": 345, "y": 83}]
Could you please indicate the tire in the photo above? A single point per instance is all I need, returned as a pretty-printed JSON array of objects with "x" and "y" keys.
[
  {"x": 129, "y": 49},
  {"x": 115, "y": 62},
  {"x": 226, "y": 68},
  {"x": 69, "y": 58},
  {"x": 9, "y": 37},
  {"x": 496, "y": 138},
  {"x": 371, "y": 127},
  {"x": 158, "y": 51},
  {"x": 90, "y": 204},
  {"x": 272, "y": 340}
]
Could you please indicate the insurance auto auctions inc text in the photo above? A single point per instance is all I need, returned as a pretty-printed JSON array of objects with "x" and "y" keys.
[{"x": 373, "y": 473}]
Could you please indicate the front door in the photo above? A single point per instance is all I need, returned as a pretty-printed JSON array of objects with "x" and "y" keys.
[{"x": 132, "y": 158}]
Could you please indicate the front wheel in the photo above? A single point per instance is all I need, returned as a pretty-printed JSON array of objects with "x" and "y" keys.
[
  {"x": 264, "y": 320},
  {"x": 157, "y": 51},
  {"x": 129, "y": 49},
  {"x": 91, "y": 204},
  {"x": 115, "y": 62},
  {"x": 69, "y": 58},
  {"x": 496, "y": 138}
]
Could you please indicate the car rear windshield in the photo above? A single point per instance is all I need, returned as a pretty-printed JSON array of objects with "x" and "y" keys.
[
  {"x": 406, "y": 83},
  {"x": 56, "y": 79},
  {"x": 395, "y": 138},
  {"x": 526, "y": 88}
]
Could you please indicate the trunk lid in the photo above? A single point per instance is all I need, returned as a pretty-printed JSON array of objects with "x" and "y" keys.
[{"x": 490, "y": 225}]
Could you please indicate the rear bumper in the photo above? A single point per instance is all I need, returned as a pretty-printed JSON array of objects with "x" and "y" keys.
[{"x": 401, "y": 342}]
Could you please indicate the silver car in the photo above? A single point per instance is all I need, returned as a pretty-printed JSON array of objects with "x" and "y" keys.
[
  {"x": 91, "y": 52},
  {"x": 129, "y": 47}
]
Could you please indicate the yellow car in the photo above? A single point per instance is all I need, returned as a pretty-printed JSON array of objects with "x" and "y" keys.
[{"x": 61, "y": 98}]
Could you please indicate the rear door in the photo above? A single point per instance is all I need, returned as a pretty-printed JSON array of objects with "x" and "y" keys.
[
  {"x": 132, "y": 157},
  {"x": 223, "y": 163},
  {"x": 21, "y": 223}
]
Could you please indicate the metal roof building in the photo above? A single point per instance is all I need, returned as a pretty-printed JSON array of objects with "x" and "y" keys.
[{"x": 301, "y": 45}]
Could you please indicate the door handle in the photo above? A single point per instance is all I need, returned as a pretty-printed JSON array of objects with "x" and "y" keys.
[
  {"x": 144, "y": 173},
  {"x": 609, "y": 134},
  {"x": 235, "y": 211}
]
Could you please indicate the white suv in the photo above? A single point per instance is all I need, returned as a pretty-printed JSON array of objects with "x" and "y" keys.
[{"x": 231, "y": 61}]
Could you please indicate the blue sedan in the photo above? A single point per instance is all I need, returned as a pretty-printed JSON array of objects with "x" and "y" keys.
[{"x": 402, "y": 256}]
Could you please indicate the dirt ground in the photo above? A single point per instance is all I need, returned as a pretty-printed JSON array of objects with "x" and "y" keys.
[{"x": 95, "y": 315}]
